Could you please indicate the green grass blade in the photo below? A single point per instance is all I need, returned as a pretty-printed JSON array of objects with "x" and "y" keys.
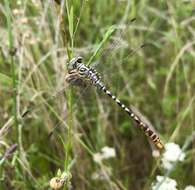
[{"x": 104, "y": 40}]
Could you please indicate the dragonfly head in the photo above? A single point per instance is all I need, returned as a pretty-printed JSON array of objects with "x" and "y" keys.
[{"x": 73, "y": 64}]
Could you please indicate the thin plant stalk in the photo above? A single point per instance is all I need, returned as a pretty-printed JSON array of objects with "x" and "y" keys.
[{"x": 13, "y": 70}]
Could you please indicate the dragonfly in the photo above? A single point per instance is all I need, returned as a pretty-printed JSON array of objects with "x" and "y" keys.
[
  {"x": 75, "y": 78},
  {"x": 78, "y": 73}
]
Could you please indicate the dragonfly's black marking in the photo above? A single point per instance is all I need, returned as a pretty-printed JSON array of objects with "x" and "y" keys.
[{"x": 76, "y": 66}]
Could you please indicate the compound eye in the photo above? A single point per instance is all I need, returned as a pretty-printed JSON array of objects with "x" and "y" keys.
[
  {"x": 72, "y": 64},
  {"x": 79, "y": 59}
]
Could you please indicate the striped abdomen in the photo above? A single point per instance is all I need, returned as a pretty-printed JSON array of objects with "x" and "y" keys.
[
  {"x": 144, "y": 127},
  {"x": 89, "y": 73}
]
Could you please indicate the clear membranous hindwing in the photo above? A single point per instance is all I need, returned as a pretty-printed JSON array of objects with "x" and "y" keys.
[{"x": 79, "y": 71}]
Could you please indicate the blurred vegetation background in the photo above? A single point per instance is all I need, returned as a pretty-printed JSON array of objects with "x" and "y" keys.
[{"x": 147, "y": 63}]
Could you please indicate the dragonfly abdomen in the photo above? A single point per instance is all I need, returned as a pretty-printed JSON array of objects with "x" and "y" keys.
[
  {"x": 91, "y": 74},
  {"x": 148, "y": 132}
]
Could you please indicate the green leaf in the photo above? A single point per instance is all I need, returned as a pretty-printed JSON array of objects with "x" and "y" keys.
[
  {"x": 71, "y": 22},
  {"x": 105, "y": 39},
  {"x": 59, "y": 173}
]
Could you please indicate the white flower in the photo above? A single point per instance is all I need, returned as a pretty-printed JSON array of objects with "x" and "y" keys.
[
  {"x": 189, "y": 187},
  {"x": 155, "y": 153},
  {"x": 164, "y": 183},
  {"x": 172, "y": 154},
  {"x": 106, "y": 153},
  {"x": 97, "y": 157}
]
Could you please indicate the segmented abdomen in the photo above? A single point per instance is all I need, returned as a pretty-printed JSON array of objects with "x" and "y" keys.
[{"x": 95, "y": 78}]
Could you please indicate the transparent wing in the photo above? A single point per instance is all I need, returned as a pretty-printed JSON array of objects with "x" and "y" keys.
[
  {"x": 36, "y": 102},
  {"x": 117, "y": 44},
  {"x": 115, "y": 68}
]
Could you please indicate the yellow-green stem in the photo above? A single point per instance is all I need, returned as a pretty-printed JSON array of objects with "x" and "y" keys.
[{"x": 13, "y": 72}]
